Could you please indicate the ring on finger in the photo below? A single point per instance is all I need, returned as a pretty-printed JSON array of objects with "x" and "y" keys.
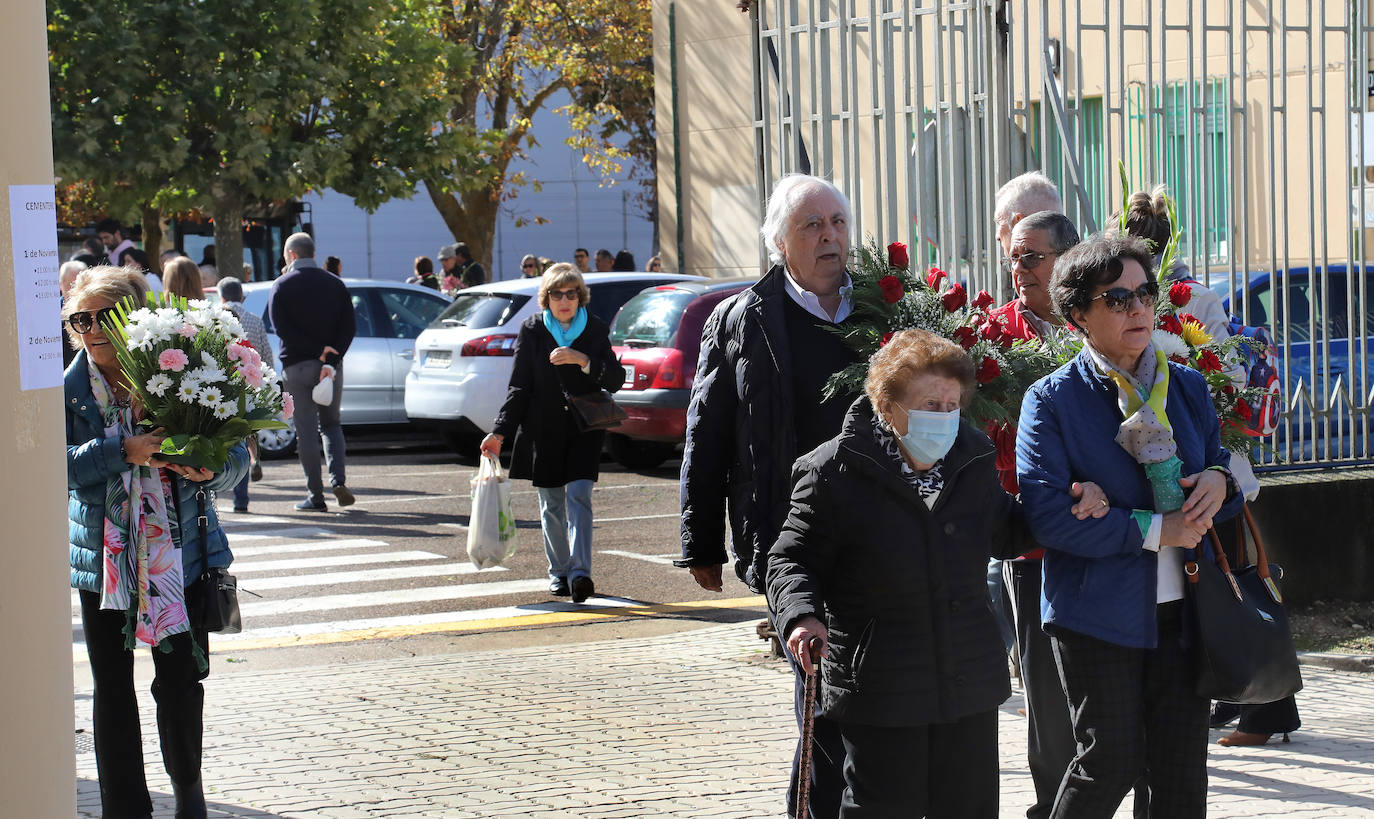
[{"x": 1104, "y": 503}]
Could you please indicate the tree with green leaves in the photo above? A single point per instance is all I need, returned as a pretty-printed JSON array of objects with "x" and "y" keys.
[
  {"x": 599, "y": 52},
  {"x": 228, "y": 106}
]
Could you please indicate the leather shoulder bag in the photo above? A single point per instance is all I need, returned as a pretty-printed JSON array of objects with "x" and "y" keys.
[{"x": 1242, "y": 645}]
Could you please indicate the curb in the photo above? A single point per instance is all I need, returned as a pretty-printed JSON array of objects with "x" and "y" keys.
[{"x": 1337, "y": 662}]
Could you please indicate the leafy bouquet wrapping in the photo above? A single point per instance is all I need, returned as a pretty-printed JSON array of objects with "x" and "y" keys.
[
  {"x": 197, "y": 377},
  {"x": 888, "y": 298}
]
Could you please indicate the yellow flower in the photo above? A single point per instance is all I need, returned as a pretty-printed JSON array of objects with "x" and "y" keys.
[{"x": 1195, "y": 335}]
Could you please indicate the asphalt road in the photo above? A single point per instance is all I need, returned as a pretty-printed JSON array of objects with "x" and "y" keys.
[{"x": 390, "y": 575}]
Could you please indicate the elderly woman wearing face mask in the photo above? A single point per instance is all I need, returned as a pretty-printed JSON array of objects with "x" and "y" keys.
[
  {"x": 888, "y": 537},
  {"x": 1122, "y": 415}
]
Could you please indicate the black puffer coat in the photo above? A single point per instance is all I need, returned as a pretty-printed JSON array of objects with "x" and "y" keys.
[
  {"x": 549, "y": 449},
  {"x": 903, "y": 587}
]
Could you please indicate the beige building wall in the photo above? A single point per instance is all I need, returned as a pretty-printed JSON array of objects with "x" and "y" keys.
[
  {"x": 38, "y": 762},
  {"x": 1291, "y": 180}
]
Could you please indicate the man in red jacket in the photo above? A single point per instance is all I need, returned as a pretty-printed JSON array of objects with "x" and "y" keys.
[{"x": 1036, "y": 241}]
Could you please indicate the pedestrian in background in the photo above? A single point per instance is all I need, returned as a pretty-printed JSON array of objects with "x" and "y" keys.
[
  {"x": 581, "y": 258},
  {"x": 563, "y": 350},
  {"x": 654, "y": 265},
  {"x": 469, "y": 271},
  {"x": 92, "y": 252},
  {"x": 312, "y": 314},
  {"x": 624, "y": 262},
  {"x": 758, "y": 402},
  {"x": 66, "y": 277},
  {"x": 448, "y": 268},
  {"x": 529, "y": 266},
  {"x": 605, "y": 261},
  {"x": 130, "y": 564},
  {"x": 231, "y": 295},
  {"x": 111, "y": 235},
  {"x": 334, "y": 265},
  {"x": 424, "y": 273},
  {"x": 181, "y": 277},
  {"x": 207, "y": 263}
]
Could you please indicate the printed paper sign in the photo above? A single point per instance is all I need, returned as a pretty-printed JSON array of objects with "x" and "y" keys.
[{"x": 37, "y": 300}]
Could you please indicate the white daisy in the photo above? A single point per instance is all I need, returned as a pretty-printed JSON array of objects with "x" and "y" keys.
[
  {"x": 224, "y": 410},
  {"x": 210, "y": 397},
  {"x": 159, "y": 384},
  {"x": 187, "y": 392}
]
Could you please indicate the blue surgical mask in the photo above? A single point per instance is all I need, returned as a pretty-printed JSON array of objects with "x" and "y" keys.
[{"x": 929, "y": 435}]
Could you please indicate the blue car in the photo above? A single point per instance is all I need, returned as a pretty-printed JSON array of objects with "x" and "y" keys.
[{"x": 1320, "y": 321}]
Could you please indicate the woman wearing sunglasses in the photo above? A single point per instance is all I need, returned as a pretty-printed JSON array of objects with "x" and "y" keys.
[
  {"x": 1124, "y": 417},
  {"x": 563, "y": 350},
  {"x": 135, "y": 544}
]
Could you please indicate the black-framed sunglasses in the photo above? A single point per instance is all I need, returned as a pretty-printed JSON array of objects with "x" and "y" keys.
[
  {"x": 82, "y": 321},
  {"x": 1118, "y": 299},
  {"x": 560, "y": 295},
  {"x": 528, "y": 265},
  {"x": 1030, "y": 260}
]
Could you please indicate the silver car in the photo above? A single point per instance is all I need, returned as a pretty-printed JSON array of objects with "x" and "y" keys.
[{"x": 389, "y": 316}]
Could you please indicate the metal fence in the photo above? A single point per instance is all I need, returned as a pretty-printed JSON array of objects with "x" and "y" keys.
[{"x": 1254, "y": 113}]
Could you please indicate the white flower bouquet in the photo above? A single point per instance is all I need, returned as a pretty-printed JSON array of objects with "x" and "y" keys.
[{"x": 197, "y": 377}]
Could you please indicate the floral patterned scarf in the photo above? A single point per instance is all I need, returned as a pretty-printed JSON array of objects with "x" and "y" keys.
[{"x": 142, "y": 560}]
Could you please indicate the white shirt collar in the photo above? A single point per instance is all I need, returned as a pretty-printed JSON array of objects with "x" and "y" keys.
[{"x": 811, "y": 304}]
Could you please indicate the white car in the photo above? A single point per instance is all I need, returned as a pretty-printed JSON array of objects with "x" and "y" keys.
[
  {"x": 463, "y": 361},
  {"x": 389, "y": 315}
]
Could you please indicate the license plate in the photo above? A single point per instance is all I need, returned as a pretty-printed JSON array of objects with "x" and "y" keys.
[
  {"x": 438, "y": 359},
  {"x": 629, "y": 378}
]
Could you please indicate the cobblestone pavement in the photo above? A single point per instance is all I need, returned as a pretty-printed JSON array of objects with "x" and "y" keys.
[{"x": 692, "y": 724}]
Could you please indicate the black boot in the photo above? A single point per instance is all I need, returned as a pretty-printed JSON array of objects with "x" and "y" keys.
[{"x": 190, "y": 799}]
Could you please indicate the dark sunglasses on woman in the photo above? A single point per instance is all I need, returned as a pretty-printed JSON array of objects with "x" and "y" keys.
[
  {"x": 1118, "y": 299},
  {"x": 82, "y": 321}
]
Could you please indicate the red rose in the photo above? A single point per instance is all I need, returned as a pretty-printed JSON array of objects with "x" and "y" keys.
[
  {"x": 1243, "y": 410},
  {"x": 1229, "y": 390},
  {"x": 897, "y": 255},
  {"x": 983, "y": 300},
  {"x": 991, "y": 331},
  {"x": 1170, "y": 322},
  {"x": 935, "y": 276},
  {"x": 1209, "y": 362},
  {"x": 988, "y": 370},
  {"x": 1180, "y": 294},
  {"x": 886, "y": 338},
  {"x": 1189, "y": 317},
  {"x": 892, "y": 289},
  {"x": 966, "y": 336},
  {"x": 1178, "y": 359},
  {"x": 954, "y": 298}
]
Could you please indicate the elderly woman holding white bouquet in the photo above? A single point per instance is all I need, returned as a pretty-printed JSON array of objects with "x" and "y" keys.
[{"x": 135, "y": 546}]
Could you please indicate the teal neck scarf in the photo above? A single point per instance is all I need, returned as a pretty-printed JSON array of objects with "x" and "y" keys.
[{"x": 566, "y": 337}]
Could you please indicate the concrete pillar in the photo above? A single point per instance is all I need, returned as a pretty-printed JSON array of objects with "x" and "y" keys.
[{"x": 37, "y": 757}]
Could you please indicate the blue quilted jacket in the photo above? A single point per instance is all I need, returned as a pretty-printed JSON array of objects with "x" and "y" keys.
[{"x": 92, "y": 459}]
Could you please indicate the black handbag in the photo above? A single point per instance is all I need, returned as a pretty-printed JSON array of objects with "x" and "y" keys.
[
  {"x": 595, "y": 410},
  {"x": 212, "y": 600},
  {"x": 1242, "y": 647}
]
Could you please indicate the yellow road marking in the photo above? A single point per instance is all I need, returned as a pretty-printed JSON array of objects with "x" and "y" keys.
[{"x": 554, "y": 618}]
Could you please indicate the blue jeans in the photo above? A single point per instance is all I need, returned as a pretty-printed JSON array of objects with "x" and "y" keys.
[
  {"x": 241, "y": 494},
  {"x": 566, "y": 514}
]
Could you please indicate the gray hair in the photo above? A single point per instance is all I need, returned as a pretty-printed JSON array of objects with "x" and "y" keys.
[
  {"x": 1031, "y": 192},
  {"x": 301, "y": 244},
  {"x": 68, "y": 272},
  {"x": 230, "y": 289},
  {"x": 1060, "y": 231},
  {"x": 787, "y": 193}
]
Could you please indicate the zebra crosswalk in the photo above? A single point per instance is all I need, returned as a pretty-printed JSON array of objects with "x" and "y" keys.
[{"x": 302, "y": 582}]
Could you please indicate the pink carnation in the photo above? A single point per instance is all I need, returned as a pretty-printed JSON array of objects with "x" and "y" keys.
[
  {"x": 235, "y": 352},
  {"x": 188, "y": 331},
  {"x": 174, "y": 360},
  {"x": 252, "y": 375},
  {"x": 288, "y": 406}
]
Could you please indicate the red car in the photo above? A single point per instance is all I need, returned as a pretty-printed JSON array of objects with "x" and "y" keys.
[{"x": 657, "y": 336}]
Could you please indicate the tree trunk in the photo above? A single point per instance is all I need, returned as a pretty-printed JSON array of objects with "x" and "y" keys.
[
  {"x": 227, "y": 212},
  {"x": 152, "y": 237},
  {"x": 471, "y": 218}
]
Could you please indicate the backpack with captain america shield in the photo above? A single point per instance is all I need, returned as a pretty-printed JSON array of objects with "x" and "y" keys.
[{"x": 1260, "y": 360}]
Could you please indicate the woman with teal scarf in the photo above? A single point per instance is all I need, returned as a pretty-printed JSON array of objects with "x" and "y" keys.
[
  {"x": 1143, "y": 428},
  {"x": 561, "y": 351}
]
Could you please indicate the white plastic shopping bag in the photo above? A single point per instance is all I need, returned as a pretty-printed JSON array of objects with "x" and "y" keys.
[
  {"x": 491, "y": 528},
  {"x": 323, "y": 393}
]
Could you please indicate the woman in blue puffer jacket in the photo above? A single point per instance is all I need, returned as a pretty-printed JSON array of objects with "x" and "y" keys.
[{"x": 135, "y": 545}]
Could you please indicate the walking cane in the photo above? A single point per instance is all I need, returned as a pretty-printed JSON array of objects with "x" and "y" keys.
[{"x": 813, "y": 647}]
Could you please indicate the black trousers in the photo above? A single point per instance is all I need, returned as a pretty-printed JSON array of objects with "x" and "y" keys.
[
  {"x": 1277, "y": 717},
  {"x": 827, "y": 751},
  {"x": 118, "y": 740},
  {"x": 1049, "y": 729},
  {"x": 1135, "y": 714},
  {"x": 944, "y": 771}
]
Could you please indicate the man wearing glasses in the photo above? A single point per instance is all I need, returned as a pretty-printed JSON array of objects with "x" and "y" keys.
[{"x": 583, "y": 260}]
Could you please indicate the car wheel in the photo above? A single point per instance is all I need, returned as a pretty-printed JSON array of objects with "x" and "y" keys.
[
  {"x": 277, "y": 443},
  {"x": 633, "y": 454}
]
